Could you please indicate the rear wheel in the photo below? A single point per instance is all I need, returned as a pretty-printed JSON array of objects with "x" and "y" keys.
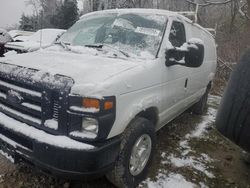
[
  {"x": 201, "y": 106},
  {"x": 136, "y": 154}
]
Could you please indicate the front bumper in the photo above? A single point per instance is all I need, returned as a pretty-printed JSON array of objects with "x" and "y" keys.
[{"x": 57, "y": 155}]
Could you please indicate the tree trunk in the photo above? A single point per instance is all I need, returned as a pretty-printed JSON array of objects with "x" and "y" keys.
[
  {"x": 140, "y": 4},
  {"x": 248, "y": 7}
]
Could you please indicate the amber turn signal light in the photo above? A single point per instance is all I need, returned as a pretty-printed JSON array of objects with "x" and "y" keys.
[
  {"x": 91, "y": 103},
  {"x": 108, "y": 105}
]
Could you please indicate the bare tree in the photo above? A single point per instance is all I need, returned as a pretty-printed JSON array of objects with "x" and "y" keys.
[
  {"x": 245, "y": 9},
  {"x": 234, "y": 11},
  {"x": 248, "y": 8},
  {"x": 36, "y": 6}
]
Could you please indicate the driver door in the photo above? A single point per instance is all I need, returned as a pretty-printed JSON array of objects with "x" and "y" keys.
[{"x": 175, "y": 78}]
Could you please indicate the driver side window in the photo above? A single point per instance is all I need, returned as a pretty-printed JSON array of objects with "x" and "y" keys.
[{"x": 177, "y": 35}]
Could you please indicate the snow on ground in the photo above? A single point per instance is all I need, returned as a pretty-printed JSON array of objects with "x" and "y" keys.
[
  {"x": 198, "y": 164},
  {"x": 171, "y": 181},
  {"x": 7, "y": 157},
  {"x": 187, "y": 157}
]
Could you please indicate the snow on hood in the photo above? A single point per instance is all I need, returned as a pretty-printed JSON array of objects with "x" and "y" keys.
[{"x": 88, "y": 71}]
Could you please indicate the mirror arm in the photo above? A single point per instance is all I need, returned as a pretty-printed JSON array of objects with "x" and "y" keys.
[{"x": 171, "y": 63}]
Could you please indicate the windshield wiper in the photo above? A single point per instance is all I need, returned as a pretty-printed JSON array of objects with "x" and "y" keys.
[
  {"x": 113, "y": 48},
  {"x": 64, "y": 45},
  {"x": 94, "y": 46},
  {"x": 100, "y": 46}
]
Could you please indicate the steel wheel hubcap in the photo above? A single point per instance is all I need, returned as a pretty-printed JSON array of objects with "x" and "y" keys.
[{"x": 140, "y": 154}]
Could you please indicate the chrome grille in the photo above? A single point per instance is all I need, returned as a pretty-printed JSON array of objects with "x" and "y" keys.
[
  {"x": 34, "y": 97},
  {"x": 20, "y": 102},
  {"x": 56, "y": 107}
]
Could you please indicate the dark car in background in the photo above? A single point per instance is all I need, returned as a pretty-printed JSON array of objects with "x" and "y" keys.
[{"x": 4, "y": 38}]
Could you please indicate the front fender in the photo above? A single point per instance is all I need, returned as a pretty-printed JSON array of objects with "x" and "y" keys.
[{"x": 131, "y": 104}]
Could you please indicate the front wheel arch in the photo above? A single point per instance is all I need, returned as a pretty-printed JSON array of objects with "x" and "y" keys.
[{"x": 150, "y": 114}]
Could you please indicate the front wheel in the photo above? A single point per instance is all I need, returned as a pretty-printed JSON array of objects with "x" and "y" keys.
[{"x": 136, "y": 154}]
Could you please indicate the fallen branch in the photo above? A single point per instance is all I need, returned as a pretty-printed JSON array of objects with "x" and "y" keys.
[
  {"x": 241, "y": 11},
  {"x": 208, "y": 3}
]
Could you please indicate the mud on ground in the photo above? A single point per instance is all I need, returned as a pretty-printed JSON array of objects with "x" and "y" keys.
[{"x": 190, "y": 153}]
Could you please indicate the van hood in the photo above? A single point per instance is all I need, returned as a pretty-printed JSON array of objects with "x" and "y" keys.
[{"x": 84, "y": 69}]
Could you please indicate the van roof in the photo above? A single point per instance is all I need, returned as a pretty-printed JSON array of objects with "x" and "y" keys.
[{"x": 134, "y": 10}]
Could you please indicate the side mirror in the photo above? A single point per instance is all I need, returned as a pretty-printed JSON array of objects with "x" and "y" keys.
[{"x": 190, "y": 54}]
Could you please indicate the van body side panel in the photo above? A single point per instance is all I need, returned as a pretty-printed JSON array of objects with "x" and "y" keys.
[{"x": 200, "y": 77}]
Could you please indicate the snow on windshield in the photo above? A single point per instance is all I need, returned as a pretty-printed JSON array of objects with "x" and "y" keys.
[{"x": 136, "y": 34}]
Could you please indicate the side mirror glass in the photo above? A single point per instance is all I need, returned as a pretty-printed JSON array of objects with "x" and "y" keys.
[{"x": 190, "y": 54}]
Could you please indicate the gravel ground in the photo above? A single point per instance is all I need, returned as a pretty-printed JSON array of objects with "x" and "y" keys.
[{"x": 190, "y": 153}]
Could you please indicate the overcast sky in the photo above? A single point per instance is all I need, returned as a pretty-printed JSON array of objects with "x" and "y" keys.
[{"x": 11, "y": 11}]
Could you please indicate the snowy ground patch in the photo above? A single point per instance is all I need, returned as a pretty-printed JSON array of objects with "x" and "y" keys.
[
  {"x": 7, "y": 156},
  {"x": 186, "y": 156},
  {"x": 198, "y": 163},
  {"x": 171, "y": 181}
]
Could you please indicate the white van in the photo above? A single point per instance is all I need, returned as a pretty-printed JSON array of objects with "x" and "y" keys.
[{"x": 91, "y": 103}]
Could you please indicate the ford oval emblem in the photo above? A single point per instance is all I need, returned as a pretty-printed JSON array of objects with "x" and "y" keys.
[{"x": 14, "y": 97}]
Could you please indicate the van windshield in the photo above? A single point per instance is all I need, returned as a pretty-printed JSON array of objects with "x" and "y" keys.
[{"x": 135, "y": 34}]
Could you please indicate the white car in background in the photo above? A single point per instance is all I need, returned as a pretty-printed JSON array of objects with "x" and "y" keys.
[
  {"x": 19, "y": 35},
  {"x": 40, "y": 39}
]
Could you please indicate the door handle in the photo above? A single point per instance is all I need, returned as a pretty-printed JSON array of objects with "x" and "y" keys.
[{"x": 186, "y": 83}]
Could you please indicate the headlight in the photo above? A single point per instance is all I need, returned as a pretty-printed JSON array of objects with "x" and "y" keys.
[
  {"x": 89, "y": 129},
  {"x": 90, "y": 125},
  {"x": 91, "y": 118}
]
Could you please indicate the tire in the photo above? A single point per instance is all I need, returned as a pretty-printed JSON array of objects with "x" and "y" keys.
[
  {"x": 121, "y": 175},
  {"x": 200, "y": 107},
  {"x": 233, "y": 117}
]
